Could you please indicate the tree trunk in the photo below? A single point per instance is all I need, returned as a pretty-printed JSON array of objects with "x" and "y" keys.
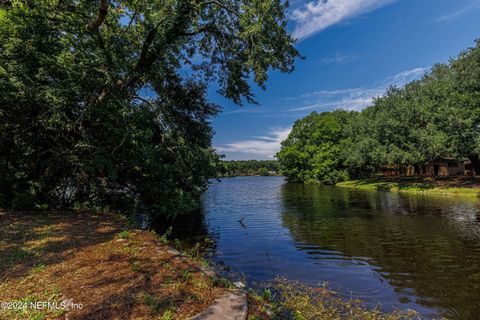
[
  {"x": 475, "y": 159},
  {"x": 102, "y": 14},
  {"x": 417, "y": 170}
]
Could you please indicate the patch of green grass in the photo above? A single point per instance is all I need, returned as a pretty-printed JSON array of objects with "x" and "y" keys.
[
  {"x": 124, "y": 235},
  {"x": 168, "y": 315},
  {"x": 266, "y": 295},
  {"x": 204, "y": 262},
  {"x": 131, "y": 249},
  {"x": 148, "y": 299},
  {"x": 24, "y": 314},
  {"x": 164, "y": 239},
  {"x": 186, "y": 275},
  {"x": 173, "y": 285},
  {"x": 27, "y": 312},
  {"x": 157, "y": 305},
  {"x": 200, "y": 283},
  {"x": 195, "y": 252},
  {"x": 223, "y": 283},
  {"x": 422, "y": 188},
  {"x": 300, "y": 302},
  {"x": 13, "y": 256},
  {"x": 262, "y": 305},
  {"x": 38, "y": 268},
  {"x": 177, "y": 244},
  {"x": 168, "y": 266}
]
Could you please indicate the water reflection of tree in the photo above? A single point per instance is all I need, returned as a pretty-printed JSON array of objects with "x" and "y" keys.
[
  {"x": 188, "y": 229},
  {"x": 427, "y": 244}
]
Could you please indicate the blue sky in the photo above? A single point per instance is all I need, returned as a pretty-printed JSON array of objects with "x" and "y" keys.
[{"x": 354, "y": 49}]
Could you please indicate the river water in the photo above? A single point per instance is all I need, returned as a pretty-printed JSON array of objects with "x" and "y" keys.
[{"x": 396, "y": 251}]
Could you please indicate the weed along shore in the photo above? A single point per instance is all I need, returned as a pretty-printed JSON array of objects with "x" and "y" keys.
[{"x": 81, "y": 265}]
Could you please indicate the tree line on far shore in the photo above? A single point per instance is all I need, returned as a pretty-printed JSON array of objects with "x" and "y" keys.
[
  {"x": 248, "y": 168},
  {"x": 436, "y": 116}
]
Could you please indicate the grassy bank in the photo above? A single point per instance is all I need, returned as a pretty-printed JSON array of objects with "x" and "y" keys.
[
  {"x": 97, "y": 268},
  {"x": 93, "y": 261},
  {"x": 465, "y": 187}
]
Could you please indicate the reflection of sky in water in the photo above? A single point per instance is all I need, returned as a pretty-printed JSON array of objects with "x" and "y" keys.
[{"x": 397, "y": 250}]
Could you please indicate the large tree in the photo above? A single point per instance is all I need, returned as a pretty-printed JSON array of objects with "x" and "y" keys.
[
  {"x": 314, "y": 150},
  {"x": 103, "y": 103},
  {"x": 436, "y": 116},
  {"x": 463, "y": 106}
]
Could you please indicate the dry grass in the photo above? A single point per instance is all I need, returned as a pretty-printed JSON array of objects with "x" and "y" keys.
[{"x": 92, "y": 260}]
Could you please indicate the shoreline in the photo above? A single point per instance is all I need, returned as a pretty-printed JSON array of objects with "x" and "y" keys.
[
  {"x": 463, "y": 187},
  {"x": 251, "y": 175},
  {"x": 100, "y": 269}
]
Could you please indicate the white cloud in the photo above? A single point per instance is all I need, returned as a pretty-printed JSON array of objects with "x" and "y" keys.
[
  {"x": 338, "y": 58},
  {"x": 264, "y": 147},
  {"x": 354, "y": 98},
  {"x": 236, "y": 110},
  {"x": 317, "y": 15},
  {"x": 461, "y": 12},
  {"x": 404, "y": 77}
]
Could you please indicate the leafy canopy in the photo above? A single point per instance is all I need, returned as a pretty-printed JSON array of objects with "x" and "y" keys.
[
  {"x": 103, "y": 103},
  {"x": 436, "y": 116}
]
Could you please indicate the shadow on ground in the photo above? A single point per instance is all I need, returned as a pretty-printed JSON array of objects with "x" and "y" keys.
[{"x": 92, "y": 260}]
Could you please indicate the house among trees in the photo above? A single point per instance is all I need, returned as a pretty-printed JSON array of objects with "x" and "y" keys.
[
  {"x": 393, "y": 170},
  {"x": 441, "y": 167},
  {"x": 445, "y": 166}
]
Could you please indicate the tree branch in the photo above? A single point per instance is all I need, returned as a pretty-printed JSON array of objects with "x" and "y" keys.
[
  {"x": 146, "y": 46},
  {"x": 102, "y": 14},
  {"x": 221, "y": 5},
  {"x": 210, "y": 29},
  {"x": 134, "y": 16}
]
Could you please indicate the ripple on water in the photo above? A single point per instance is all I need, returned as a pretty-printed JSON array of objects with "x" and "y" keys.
[{"x": 395, "y": 250}]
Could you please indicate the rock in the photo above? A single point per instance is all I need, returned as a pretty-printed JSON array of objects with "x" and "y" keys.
[
  {"x": 239, "y": 284},
  {"x": 269, "y": 310},
  {"x": 120, "y": 240},
  {"x": 174, "y": 252},
  {"x": 209, "y": 272},
  {"x": 230, "y": 306}
]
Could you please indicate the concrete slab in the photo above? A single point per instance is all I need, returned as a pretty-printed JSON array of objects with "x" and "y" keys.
[{"x": 230, "y": 306}]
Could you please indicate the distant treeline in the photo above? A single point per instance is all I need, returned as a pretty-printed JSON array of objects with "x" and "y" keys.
[
  {"x": 249, "y": 168},
  {"x": 436, "y": 116}
]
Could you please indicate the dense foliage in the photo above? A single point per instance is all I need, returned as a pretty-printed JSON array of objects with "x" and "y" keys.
[
  {"x": 103, "y": 103},
  {"x": 314, "y": 148},
  {"x": 436, "y": 116},
  {"x": 248, "y": 167}
]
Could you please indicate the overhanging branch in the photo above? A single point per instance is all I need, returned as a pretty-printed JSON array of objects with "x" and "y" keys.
[
  {"x": 102, "y": 14},
  {"x": 221, "y": 5}
]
